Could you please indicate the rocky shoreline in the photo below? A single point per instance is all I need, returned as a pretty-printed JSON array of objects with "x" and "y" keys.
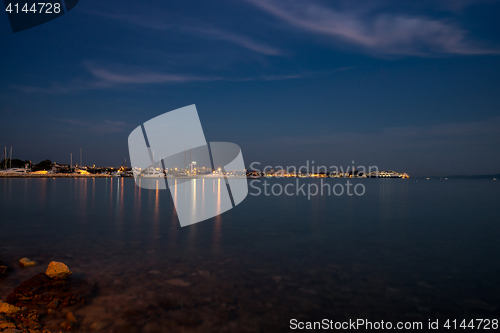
[
  {"x": 44, "y": 303},
  {"x": 227, "y": 294}
]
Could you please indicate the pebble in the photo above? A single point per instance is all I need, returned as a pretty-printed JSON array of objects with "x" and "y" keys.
[
  {"x": 54, "y": 313},
  {"x": 154, "y": 272},
  {"x": 67, "y": 325},
  {"x": 25, "y": 262},
  {"x": 6, "y": 325},
  {"x": 57, "y": 270},
  {"x": 12, "y": 330},
  {"x": 3, "y": 268},
  {"x": 178, "y": 283},
  {"x": 71, "y": 317},
  {"x": 98, "y": 326},
  {"x": 54, "y": 303},
  {"x": 8, "y": 309},
  {"x": 204, "y": 273},
  {"x": 177, "y": 272}
]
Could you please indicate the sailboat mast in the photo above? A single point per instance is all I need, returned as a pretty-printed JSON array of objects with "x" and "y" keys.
[{"x": 11, "y": 157}]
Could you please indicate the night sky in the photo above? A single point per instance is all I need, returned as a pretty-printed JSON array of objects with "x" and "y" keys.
[{"x": 408, "y": 86}]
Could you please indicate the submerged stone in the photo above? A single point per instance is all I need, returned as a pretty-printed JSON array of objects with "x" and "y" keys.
[
  {"x": 36, "y": 298},
  {"x": 40, "y": 291},
  {"x": 3, "y": 268},
  {"x": 6, "y": 325},
  {"x": 178, "y": 283},
  {"x": 204, "y": 273},
  {"x": 8, "y": 309},
  {"x": 57, "y": 270},
  {"x": 25, "y": 262},
  {"x": 71, "y": 317}
]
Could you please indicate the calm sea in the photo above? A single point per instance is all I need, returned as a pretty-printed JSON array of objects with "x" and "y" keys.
[{"x": 407, "y": 250}]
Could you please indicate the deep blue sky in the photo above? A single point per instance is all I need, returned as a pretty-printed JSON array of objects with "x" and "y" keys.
[{"x": 411, "y": 87}]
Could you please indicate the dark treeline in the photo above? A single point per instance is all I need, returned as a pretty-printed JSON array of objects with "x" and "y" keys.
[{"x": 17, "y": 163}]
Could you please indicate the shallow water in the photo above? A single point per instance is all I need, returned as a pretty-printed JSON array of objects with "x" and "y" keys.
[{"x": 405, "y": 250}]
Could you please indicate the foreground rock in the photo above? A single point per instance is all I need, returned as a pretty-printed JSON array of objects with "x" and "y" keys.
[
  {"x": 25, "y": 262},
  {"x": 46, "y": 302},
  {"x": 58, "y": 270},
  {"x": 43, "y": 292}
]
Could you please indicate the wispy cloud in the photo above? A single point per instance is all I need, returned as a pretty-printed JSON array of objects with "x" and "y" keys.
[
  {"x": 118, "y": 77},
  {"x": 124, "y": 77},
  {"x": 103, "y": 78},
  {"x": 67, "y": 88},
  {"x": 143, "y": 77},
  {"x": 237, "y": 39},
  {"x": 381, "y": 32},
  {"x": 197, "y": 28}
]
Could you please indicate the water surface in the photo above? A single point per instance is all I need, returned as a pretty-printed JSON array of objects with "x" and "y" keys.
[{"x": 406, "y": 250}]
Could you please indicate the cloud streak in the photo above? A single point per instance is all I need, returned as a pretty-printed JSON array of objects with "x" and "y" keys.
[
  {"x": 237, "y": 39},
  {"x": 108, "y": 76},
  {"x": 124, "y": 77},
  {"x": 111, "y": 78},
  {"x": 199, "y": 30},
  {"x": 379, "y": 32}
]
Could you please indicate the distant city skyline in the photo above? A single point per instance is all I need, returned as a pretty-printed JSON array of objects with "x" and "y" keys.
[{"x": 410, "y": 88}]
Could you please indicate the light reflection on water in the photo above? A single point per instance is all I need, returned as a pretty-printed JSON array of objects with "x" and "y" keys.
[
  {"x": 60, "y": 201},
  {"x": 400, "y": 233}
]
